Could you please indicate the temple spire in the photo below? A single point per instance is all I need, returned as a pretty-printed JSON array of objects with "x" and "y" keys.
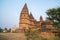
[
  {"x": 41, "y": 19},
  {"x": 25, "y": 9},
  {"x": 31, "y": 16}
]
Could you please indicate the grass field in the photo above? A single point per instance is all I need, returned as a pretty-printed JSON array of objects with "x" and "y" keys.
[{"x": 12, "y": 36}]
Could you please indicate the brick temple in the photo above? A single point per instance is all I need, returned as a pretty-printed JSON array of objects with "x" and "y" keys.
[{"x": 27, "y": 21}]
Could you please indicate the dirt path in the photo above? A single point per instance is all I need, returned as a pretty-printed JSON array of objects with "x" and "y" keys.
[{"x": 13, "y": 36}]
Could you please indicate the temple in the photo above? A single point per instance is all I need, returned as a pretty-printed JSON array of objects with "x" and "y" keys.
[{"x": 27, "y": 21}]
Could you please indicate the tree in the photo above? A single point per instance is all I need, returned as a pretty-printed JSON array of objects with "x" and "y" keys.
[
  {"x": 54, "y": 15},
  {"x": 9, "y": 30},
  {"x": 1, "y": 29},
  {"x": 5, "y": 29}
]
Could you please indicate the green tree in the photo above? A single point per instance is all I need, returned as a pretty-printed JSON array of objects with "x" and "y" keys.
[
  {"x": 9, "y": 30},
  {"x": 1, "y": 29},
  {"x": 54, "y": 15},
  {"x": 5, "y": 29}
]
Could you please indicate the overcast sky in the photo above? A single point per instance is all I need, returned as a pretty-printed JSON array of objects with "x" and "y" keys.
[{"x": 10, "y": 10}]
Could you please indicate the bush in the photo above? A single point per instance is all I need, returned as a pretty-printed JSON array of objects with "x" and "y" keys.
[{"x": 32, "y": 35}]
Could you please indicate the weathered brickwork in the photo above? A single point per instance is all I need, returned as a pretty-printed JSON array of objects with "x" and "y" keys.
[{"x": 27, "y": 21}]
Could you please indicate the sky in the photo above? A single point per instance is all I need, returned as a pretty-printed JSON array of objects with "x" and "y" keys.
[{"x": 10, "y": 10}]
